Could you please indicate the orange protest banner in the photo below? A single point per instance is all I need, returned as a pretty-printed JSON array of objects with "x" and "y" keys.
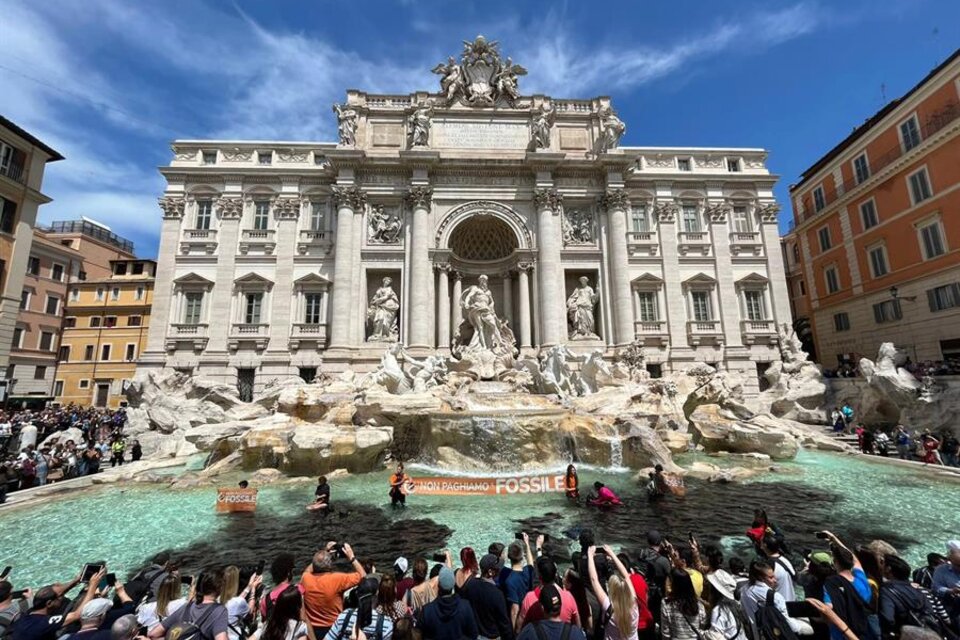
[
  {"x": 507, "y": 485},
  {"x": 232, "y": 500}
]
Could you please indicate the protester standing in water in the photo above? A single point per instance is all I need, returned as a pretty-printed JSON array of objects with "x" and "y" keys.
[
  {"x": 398, "y": 496},
  {"x": 321, "y": 500},
  {"x": 571, "y": 483}
]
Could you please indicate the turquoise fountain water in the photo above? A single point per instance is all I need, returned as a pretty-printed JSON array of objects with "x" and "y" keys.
[{"x": 50, "y": 541}]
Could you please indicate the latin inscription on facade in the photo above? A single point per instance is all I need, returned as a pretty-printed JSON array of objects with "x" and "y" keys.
[{"x": 480, "y": 134}]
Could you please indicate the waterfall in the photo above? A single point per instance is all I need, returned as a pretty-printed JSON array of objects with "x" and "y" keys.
[{"x": 616, "y": 452}]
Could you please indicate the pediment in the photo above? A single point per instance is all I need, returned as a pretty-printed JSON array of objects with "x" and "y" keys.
[
  {"x": 700, "y": 278},
  {"x": 253, "y": 280},
  {"x": 646, "y": 281},
  {"x": 194, "y": 279},
  {"x": 312, "y": 279}
]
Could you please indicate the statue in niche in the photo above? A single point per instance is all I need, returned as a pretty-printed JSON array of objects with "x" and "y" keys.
[
  {"x": 382, "y": 313},
  {"x": 346, "y": 124},
  {"x": 612, "y": 129},
  {"x": 384, "y": 227},
  {"x": 577, "y": 227},
  {"x": 478, "y": 310},
  {"x": 542, "y": 124},
  {"x": 418, "y": 126},
  {"x": 580, "y": 307}
]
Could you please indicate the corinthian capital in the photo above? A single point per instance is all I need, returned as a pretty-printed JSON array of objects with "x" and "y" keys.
[
  {"x": 172, "y": 206},
  {"x": 353, "y": 197},
  {"x": 420, "y": 197},
  {"x": 286, "y": 208},
  {"x": 767, "y": 211},
  {"x": 666, "y": 211},
  {"x": 229, "y": 207},
  {"x": 548, "y": 198},
  {"x": 717, "y": 211},
  {"x": 615, "y": 199}
]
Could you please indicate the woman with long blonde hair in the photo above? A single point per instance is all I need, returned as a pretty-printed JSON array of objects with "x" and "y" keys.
[
  {"x": 168, "y": 600},
  {"x": 239, "y": 605},
  {"x": 620, "y": 614}
]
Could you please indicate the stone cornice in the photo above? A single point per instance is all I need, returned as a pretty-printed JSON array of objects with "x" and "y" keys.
[
  {"x": 419, "y": 197},
  {"x": 351, "y": 197},
  {"x": 548, "y": 198}
]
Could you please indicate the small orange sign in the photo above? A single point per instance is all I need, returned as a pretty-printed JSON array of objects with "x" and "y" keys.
[
  {"x": 231, "y": 500},
  {"x": 507, "y": 485}
]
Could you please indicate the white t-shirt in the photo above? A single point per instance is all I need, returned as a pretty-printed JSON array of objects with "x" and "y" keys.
[
  {"x": 237, "y": 608},
  {"x": 147, "y": 613},
  {"x": 295, "y": 629},
  {"x": 611, "y": 631},
  {"x": 722, "y": 620},
  {"x": 784, "y": 578}
]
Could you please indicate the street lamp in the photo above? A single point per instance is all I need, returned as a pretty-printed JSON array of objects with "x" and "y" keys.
[{"x": 895, "y": 294}]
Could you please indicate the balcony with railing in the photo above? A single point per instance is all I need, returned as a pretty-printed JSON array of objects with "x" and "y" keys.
[
  {"x": 305, "y": 333},
  {"x": 754, "y": 331},
  {"x": 652, "y": 332},
  {"x": 199, "y": 241},
  {"x": 704, "y": 331},
  {"x": 643, "y": 243},
  {"x": 696, "y": 242},
  {"x": 258, "y": 241},
  {"x": 314, "y": 241},
  {"x": 935, "y": 122},
  {"x": 749, "y": 242},
  {"x": 15, "y": 171},
  {"x": 194, "y": 336},
  {"x": 249, "y": 332}
]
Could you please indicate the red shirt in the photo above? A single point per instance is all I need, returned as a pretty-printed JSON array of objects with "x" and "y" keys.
[
  {"x": 640, "y": 586},
  {"x": 403, "y": 585}
]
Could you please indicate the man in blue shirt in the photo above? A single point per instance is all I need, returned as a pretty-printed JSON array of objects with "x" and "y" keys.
[
  {"x": 946, "y": 581},
  {"x": 848, "y": 592}
]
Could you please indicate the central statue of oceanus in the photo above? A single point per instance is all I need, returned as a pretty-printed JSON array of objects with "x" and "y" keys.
[{"x": 483, "y": 341}]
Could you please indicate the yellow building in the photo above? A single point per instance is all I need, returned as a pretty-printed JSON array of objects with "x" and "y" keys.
[{"x": 104, "y": 331}]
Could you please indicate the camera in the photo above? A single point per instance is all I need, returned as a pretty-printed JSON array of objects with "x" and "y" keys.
[
  {"x": 17, "y": 595},
  {"x": 186, "y": 580},
  {"x": 439, "y": 557},
  {"x": 260, "y": 567},
  {"x": 90, "y": 570},
  {"x": 518, "y": 535}
]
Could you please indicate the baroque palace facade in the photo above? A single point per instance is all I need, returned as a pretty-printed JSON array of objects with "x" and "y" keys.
[{"x": 287, "y": 258}]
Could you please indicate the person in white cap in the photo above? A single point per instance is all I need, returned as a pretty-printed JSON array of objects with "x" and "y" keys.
[
  {"x": 91, "y": 619},
  {"x": 946, "y": 581},
  {"x": 404, "y": 582},
  {"x": 726, "y": 616}
]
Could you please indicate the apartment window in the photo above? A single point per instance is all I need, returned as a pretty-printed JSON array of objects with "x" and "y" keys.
[
  {"x": 134, "y": 321},
  {"x": 46, "y": 341},
  {"x": 136, "y": 268},
  {"x": 796, "y": 253},
  {"x": 193, "y": 305},
  {"x": 95, "y": 321},
  {"x": 264, "y": 157},
  {"x": 931, "y": 239},
  {"x": 261, "y": 214},
  {"x": 74, "y": 295},
  {"x": 841, "y": 321},
  {"x": 209, "y": 157},
  {"x": 110, "y": 322},
  {"x": 733, "y": 165},
  {"x": 691, "y": 218},
  {"x": 100, "y": 293},
  {"x": 868, "y": 213},
  {"x": 56, "y": 272},
  {"x": 910, "y": 133},
  {"x": 83, "y": 384},
  {"x": 139, "y": 294},
  {"x": 861, "y": 170},
  {"x": 58, "y": 388},
  {"x": 105, "y": 352},
  {"x": 753, "y": 301},
  {"x": 307, "y": 374},
  {"x": 115, "y": 293},
  {"x": 53, "y": 305},
  {"x": 11, "y": 371},
  {"x": 131, "y": 353},
  {"x": 33, "y": 265},
  {"x": 648, "y": 306},
  {"x": 312, "y": 308},
  {"x": 802, "y": 287},
  {"x": 204, "y": 214},
  {"x": 25, "y": 299},
  {"x": 944, "y": 297},
  {"x": 700, "y": 301},
  {"x": 8, "y": 215},
  {"x": 318, "y": 216},
  {"x": 832, "y": 279},
  {"x": 40, "y": 373},
  {"x": 878, "y": 261},
  {"x": 819, "y": 199},
  {"x": 824, "y": 236},
  {"x": 253, "y": 306},
  {"x": 741, "y": 220},
  {"x": 81, "y": 275},
  {"x": 683, "y": 164},
  {"x": 887, "y": 311},
  {"x": 120, "y": 269},
  {"x": 88, "y": 352},
  {"x": 919, "y": 186},
  {"x": 639, "y": 219},
  {"x": 69, "y": 323},
  {"x": 63, "y": 355},
  {"x": 17, "y": 337}
]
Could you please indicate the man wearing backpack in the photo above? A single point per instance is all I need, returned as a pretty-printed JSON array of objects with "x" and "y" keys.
[
  {"x": 782, "y": 567},
  {"x": 901, "y": 603},
  {"x": 203, "y": 619},
  {"x": 766, "y": 610},
  {"x": 658, "y": 568},
  {"x": 848, "y": 592},
  {"x": 551, "y": 627}
]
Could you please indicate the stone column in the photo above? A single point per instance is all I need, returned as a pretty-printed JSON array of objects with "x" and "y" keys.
[
  {"x": 420, "y": 331},
  {"x": 508, "y": 299},
  {"x": 283, "y": 310},
  {"x": 457, "y": 292},
  {"x": 550, "y": 278},
  {"x": 443, "y": 306},
  {"x": 348, "y": 200},
  {"x": 230, "y": 209},
  {"x": 163, "y": 297},
  {"x": 727, "y": 301},
  {"x": 779, "y": 300},
  {"x": 524, "y": 293},
  {"x": 616, "y": 202}
]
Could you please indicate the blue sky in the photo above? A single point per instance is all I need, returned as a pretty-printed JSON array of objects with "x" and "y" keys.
[{"x": 110, "y": 83}]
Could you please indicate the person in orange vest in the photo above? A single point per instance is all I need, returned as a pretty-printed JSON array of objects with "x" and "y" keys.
[{"x": 398, "y": 482}]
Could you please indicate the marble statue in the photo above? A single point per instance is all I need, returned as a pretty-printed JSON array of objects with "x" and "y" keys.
[
  {"x": 452, "y": 81},
  {"x": 596, "y": 373},
  {"x": 346, "y": 124},
  {"x": 542, "y": 124},
  {"x": 427, "y": 373},
  {"x": 481, "y": 78},
  {"x": 390, "y": 374},
  {"x": 505, "y": 80},
  {"x": 555, "y": 372},
  {"x": 418, "y": 126},
  {"x": 478, "y": 309},
  {"x": 382, "y": 313},
  {"x": 384, "y": 228},
  {"x": 577, "y": 227},
  {"x": 612, "y": 130},
  {"x": 580, "y": 307}
]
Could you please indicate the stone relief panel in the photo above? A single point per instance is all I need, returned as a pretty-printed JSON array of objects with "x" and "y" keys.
[
  {"x": 579, "y": 225},
  {"x": 385, "y": 223}
]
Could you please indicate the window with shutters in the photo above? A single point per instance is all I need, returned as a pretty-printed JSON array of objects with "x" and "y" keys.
[
  {"x": 819, "y": 199},
  {"x": 312, "y": 305},
  {"x": 105, "y": 352},
  {"x": 17, "y": 337},
  {"x": 56, "y": 272},
  {"x": 46, "y": 341},
  {"x": 861, "y": 169},
  {"x": 261, "y": 214},
  {"x": 691, "y": 218},
  {"x": 134, "y": 321},
  {"x": 639, "y": 220},
  {"x": 88, "y": 352},
  {"x": 53, "y": 305},
  {"x": 823, "y": 235},
  {"x": 868, "y": 214},
  {"x": 841, "y": 321},
  {"x": 832, "y": 279},
  {"x": 910, "y": 133},
  {"x": 944, "y": 297},
  {"x": 741, "y": 220},
  {"x": 647, "y": 301},
  {"x": 878, "y": 261},
  {"x": 700, "y": 303},
  {"x": 887, "y": 311},
  {"x": 131, "y": 353},
  {"x": 33, "y": 266},
  {"x": 204, "y": 214},
  {"x": 192, "y": 307},
  {"x": 95, "y": 321},
  {"x": 8, "y": 215},
  {"x": 253, "y": 306},
  {"x": 931, "y": 239},
  {"x": 63, "y": 355},
  {"x": 919, "y": 183},
  {"x": 753, "y": 304}
]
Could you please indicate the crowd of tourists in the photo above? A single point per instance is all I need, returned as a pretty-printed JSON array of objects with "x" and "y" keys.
[
  {"x": 920, "y": 370},
  {"x": 36, "y": 447},
  {"x": 667, "y": 589},
  {"x": 937, "y": 449}
]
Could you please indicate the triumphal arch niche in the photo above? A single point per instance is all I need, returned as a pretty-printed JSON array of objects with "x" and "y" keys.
[{"x": 325, "y": 254}]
